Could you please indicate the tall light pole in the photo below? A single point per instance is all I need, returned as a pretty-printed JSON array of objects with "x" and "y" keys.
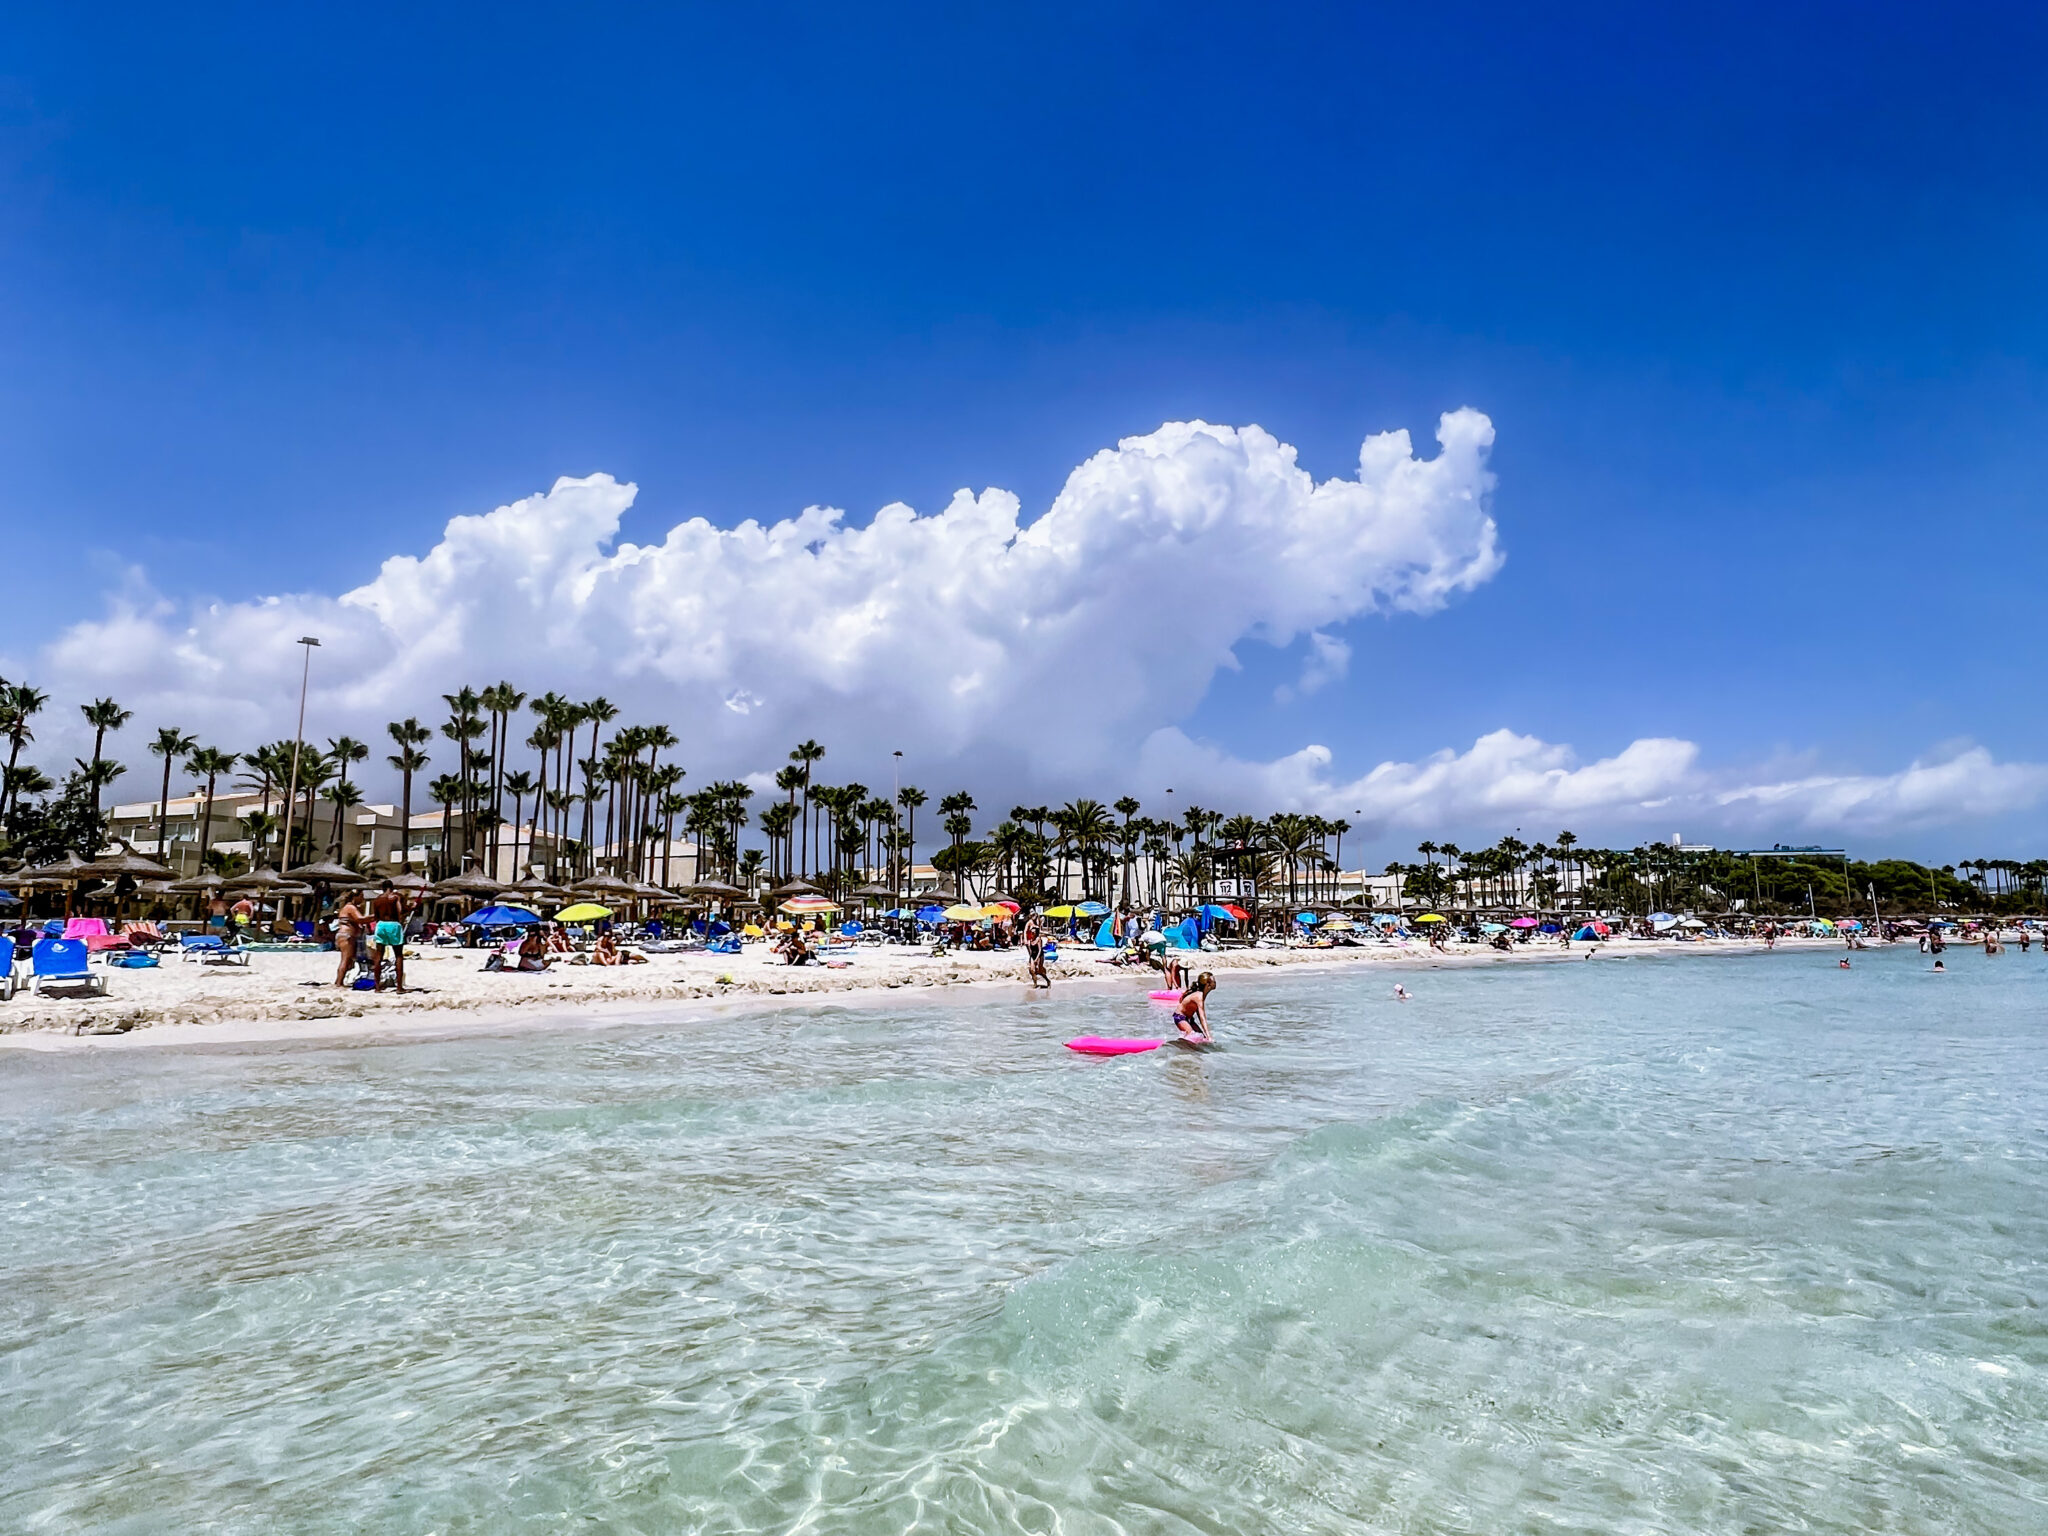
[{"x": 291, "y": 799}]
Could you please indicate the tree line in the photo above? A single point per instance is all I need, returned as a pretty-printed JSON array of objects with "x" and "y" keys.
[{"x": 561, "y": 786}]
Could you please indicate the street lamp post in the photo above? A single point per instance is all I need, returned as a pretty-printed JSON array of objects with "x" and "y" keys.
[{"x": 291, "y": 799}]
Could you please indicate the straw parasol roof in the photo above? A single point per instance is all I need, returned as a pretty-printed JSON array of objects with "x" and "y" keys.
[
  {"x": 648, "y": 890},
  {"x": 327, "y": 872},
  {"x": 881, "y": 892},
  {"x": 64, "y": 871},
  {"x": 409, "y": 882},
  {"x": 127, "y": 864},
  {"x": 469, "y": 883},
  {"x": 796, "y": 888},
  {"x": 268, "y": 882},
  {"x": 203, "y": 884},
  {"x": 606, "y": 885},
  {"x": 712, "y": 888}
]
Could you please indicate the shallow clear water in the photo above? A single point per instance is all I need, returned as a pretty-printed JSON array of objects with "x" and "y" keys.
[{"x": 1637, "y": 1245}]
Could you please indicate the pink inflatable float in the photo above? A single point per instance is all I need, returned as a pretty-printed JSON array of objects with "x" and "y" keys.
[
  {"x": 1164, "y": 997},
  {"x": 1099, "y": 1045}
]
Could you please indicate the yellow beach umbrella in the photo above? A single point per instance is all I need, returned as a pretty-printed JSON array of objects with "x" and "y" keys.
[
  {"x": 961, "y": 913},
  {"x": 809, "y": 904},
  {"x": 1429, "y": 917},
  {"x": 1059, "y": 911},
  {"x": 582, "y": 912},
  {"x": 996, "y": 911}
]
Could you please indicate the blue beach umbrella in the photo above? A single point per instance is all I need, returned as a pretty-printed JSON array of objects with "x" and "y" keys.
[
  {"x": 1091, "y": 909},
  {"x": 499, "y": 917},
  {"x": 1307, "y": 919},
  {"x": 1220, "y": 914},
  {"x": 930, "y": 914}
]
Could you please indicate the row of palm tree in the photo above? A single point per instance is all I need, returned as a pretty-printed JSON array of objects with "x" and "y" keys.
[{"x": 560, "y": 785}]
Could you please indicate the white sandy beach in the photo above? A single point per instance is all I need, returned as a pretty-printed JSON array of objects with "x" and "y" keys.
[{"x": 289, "y": 996}]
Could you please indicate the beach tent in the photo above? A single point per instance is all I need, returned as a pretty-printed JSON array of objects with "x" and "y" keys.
[
  {"x": 1586, "y": 932},
  {"x": 1183, "y": 935},
  {"x": 1105, "y": 936},
  {"x": 500, "y": 917}
]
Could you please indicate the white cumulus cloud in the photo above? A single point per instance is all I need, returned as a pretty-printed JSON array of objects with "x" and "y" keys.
[{"x": 937, "y": 633}]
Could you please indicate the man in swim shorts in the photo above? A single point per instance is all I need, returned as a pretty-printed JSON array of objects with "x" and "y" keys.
[{"x": 388, "y": 911}]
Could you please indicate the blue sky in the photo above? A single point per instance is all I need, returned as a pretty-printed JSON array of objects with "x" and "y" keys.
[{"x": 1752, "y": 300}]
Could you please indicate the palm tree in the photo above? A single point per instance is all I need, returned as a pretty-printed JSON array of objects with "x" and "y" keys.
[
  {"x": 445, "y": 790},
  {"x": 518, "y": 785},
  {"x": 910, "y": 797},
  {"x": 599, "y": 712},
  {"x": 803, "y": 756},
  {"x": 170, "y": 744},
  {"x": 343, "y": 796},
  {"x": 500, "y": 700},
  {"x": 103, "y": 715},
  {"x": 18, "y": 705},
  {"x": 408, "y": 735},
  {"x": 212, "y": 762}
]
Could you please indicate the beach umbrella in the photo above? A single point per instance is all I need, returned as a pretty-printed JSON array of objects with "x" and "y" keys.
[
  {"x": 127, "y": 864},
  {"x": 1491, "y": 928},
  {"x": 961, "y": 912},
  {"x": 942, "y": 895},
  {"x": 1339, "y": 923},
  {"x": 1550, "y": 928},
  {"x": 1307, "y": 919},
  {"x": 1237, "y": 912},
  {"x": 647, "y": 890},
  {"x": 469, "y": 883},
  {"x": 266, "y": 882},
  {"x": 930, "y": 914},
  {"x": 1692, "y": 922},
  {"x": 62, "y": 871},
  {"x": 1009, "y": 906},
  {"x": 876, "y": 893},
  {"x": 796, "y": 888},
  {"x": 802, "y": 904},
  {"x": 1430, "y": 917},
  {"x": 1221, "y": 914},
  {"x": 713, "y": 888},
  {"x": 1061, "y": 912},
  {"x": 582, "y": 912},
  {"x": 500, "y": 917},
  {"x": 327, "y": 872},
  {"x": 1091, "y": 909},
  {"x": 1523, "y": 922},
  {"x": 199, "y": 885},
  {"x": 541, "y": 889}
]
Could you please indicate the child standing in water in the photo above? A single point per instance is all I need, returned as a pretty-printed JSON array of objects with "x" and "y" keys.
[{"x": 1191, "y": 1014}]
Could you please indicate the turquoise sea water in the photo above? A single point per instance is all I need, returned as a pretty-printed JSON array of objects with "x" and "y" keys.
[{"x": 1701, "y": 1245}]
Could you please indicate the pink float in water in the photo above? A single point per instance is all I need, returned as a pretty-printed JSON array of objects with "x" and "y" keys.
[
  {"x": 1164, "y": 997},
  {"x": 1101, "y": 1045}
]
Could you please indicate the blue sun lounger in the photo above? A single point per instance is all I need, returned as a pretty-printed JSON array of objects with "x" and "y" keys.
[{"x": 64, "y": 963}]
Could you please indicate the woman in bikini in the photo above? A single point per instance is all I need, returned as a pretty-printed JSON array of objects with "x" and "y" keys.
[{"x": 348, "y": 932}]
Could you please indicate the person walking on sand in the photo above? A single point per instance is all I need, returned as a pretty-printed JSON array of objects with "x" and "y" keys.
[
  {"x": 1191, "y": 1014},
  {"x": 388, "y": 908},
  {"x": 349, "y": 923},
  {"x": 1034, "y": 953}
]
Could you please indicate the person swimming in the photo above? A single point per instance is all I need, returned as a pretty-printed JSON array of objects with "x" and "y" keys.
[
  {"x": 1191, "y": 1013},
  {"x": 1400, "y": 993}
]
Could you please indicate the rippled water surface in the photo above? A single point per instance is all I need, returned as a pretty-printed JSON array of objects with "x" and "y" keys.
[{"x": 1738, "y": 1244}]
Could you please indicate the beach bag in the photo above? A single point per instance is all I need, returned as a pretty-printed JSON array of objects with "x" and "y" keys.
[
  {"x": 134, "y": 961},
  {"x": 365, "y": 983}
]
